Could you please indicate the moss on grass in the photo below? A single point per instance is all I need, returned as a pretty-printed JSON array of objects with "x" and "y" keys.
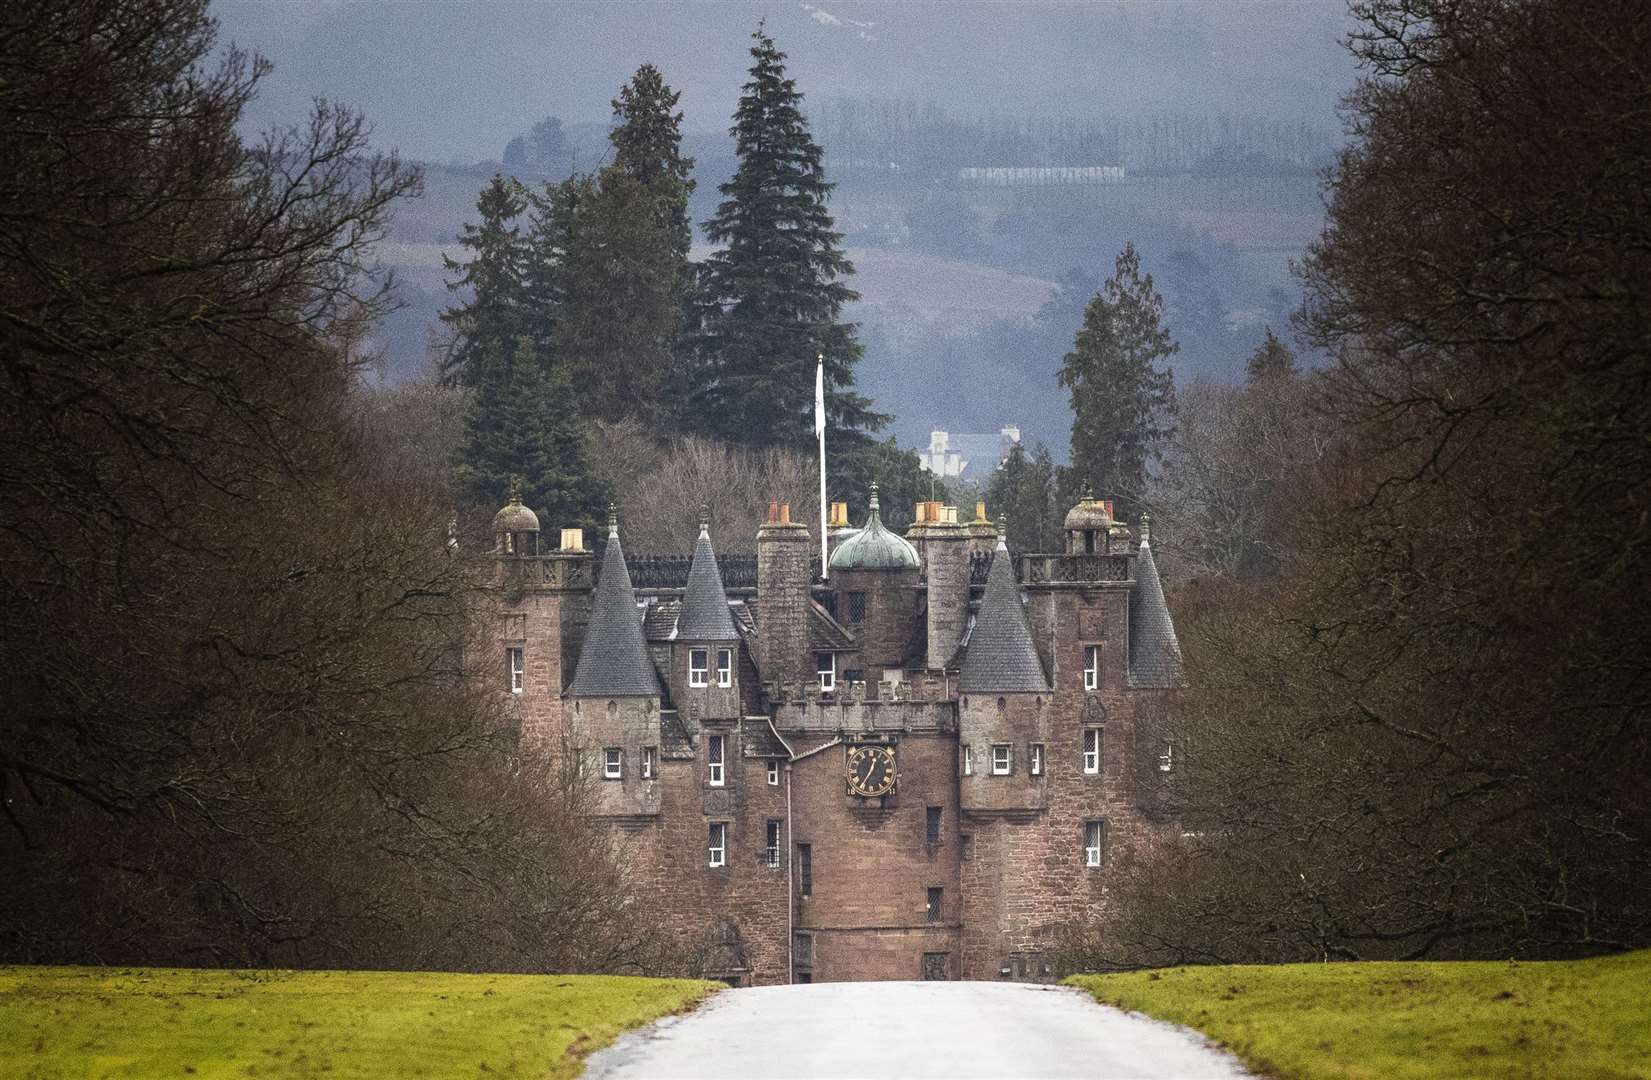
[
  {"x": 1385, "y": 1021},
  {"x": 112, "y": 1022}
]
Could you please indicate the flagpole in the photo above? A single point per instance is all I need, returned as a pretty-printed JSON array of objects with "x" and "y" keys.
[{"x": 819, "y": 429}]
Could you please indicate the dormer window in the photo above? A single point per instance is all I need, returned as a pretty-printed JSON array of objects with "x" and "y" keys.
[
  {"x": 1091, "y": 667},
  {"x": 725, "y": 667},
  {"x": 698, "y": 667},
  {"x": 826, "y": 665}
]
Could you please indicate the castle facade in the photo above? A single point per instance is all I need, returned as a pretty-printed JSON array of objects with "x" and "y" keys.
[{"x": 917, "y": 766}]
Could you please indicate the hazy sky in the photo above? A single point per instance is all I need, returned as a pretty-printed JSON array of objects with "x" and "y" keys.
[{"x": 457, "y": 78}]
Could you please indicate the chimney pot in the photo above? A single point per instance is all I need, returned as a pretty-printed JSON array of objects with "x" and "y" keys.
[
  {"x": 980, "y": 510},
  {"x": 785, "y": 513},
  {"x": 773, "y": 511},
  {"x": 573, "y": 539}
]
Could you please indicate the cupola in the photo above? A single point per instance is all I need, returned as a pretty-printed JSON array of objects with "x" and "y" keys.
[
  {"x": 874, "y": 547},
  {"x": 515, "y": 527},
  {"x": 1088, "y": 525}
]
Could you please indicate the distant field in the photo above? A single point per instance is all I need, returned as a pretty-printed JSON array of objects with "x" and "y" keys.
[
  {"x": 113, "y": 1022},
  {"x": 1588, "y": 1018}
]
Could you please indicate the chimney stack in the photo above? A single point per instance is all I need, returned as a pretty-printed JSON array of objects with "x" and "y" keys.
[
  {"x": 785, "y": 571},
  {"x": 946, "y": 557}
]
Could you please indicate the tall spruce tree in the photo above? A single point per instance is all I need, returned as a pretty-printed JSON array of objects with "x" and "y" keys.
[
  {"x": 774, "y": 292},
  {"x": 609, "y": 269},
  {"x": 647, "y": 147},
  {"x": 1122, "y": 402},
  {"x": 485, "y": 326},
  {"x": 520, "y": 428}
]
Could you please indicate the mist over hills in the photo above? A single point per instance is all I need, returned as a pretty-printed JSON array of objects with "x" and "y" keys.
[{"x": 970, "y": 294}]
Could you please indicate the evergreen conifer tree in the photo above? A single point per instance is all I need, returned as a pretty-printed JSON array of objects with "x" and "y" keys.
[
  {"x": 1122, "y": 402},
  {"x": 1271, "y": 358},
  {"x": 521, "y": 426},
  {"x": 774, "y": 292},
  {"x": 485, "y": 327}
]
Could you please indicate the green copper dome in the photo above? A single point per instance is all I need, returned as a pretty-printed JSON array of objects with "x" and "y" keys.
[{"x": 874, "y": 547}]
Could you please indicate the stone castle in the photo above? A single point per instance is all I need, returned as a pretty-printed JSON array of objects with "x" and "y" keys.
[{"x": 918, "y": 766}]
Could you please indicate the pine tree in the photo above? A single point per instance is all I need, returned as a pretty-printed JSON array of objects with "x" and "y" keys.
[
  {"x": 1022, "y": 492},
  {"x": 608, "y": 274},
  {"x": 485, "y": 327},
  {"x": 1122, "y": 402},
  {"x": 775, "y": 291},
  {"x": 647, "y": 147},
  {"x": 521, "y": 427},
  {"x": 1271, "y": 358}
]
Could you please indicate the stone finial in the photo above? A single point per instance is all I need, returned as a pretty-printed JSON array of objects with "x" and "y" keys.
[
  {"x": 1003, "y": 533},
  {"x": 1088, "y": 490},
  {"x": 613, "y": 522},
  {"x": 704, "y": 521},
  {"x": 1146, "y": 527},
  {"x": 874, "y": 507},
  {"x": 514, "y": 491}
]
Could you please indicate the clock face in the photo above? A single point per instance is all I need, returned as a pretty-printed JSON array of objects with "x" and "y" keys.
[{"x": 871, "y": 770}]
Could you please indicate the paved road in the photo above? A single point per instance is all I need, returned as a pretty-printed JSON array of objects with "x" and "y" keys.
[{"x": 912, "y": 1029}]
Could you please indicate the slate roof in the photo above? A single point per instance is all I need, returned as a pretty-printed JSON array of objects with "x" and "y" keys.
[
  {"x": 826, "y": 634},
  {"x": 705, "y": 605},
  {"x": 1001, "y": 657},
  {"x": 1154, "y": 654},
  {"x": 756, "y": 741},
  {"x": 614, "y": 661},
  {"x": 659, "y": 620}
]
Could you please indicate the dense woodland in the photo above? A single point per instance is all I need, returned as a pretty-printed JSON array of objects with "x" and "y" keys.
[{"x": 242, "y": 722}]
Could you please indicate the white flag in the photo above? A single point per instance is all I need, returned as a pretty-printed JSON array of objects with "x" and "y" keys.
[{"x": 819, "y": 397}]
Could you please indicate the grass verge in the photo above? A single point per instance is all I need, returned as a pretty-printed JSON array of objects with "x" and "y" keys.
[
  {"x": 1587, "y": 1018},
  {"x": 147, "y": 1022}
]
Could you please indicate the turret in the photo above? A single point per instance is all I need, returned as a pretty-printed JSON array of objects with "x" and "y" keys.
[
  {"x": 875, "y": 576},
  {"x": 705, "y": 653}
]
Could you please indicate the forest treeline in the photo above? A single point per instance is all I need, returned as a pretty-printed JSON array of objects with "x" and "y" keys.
[
  {"x": 1411, "y": 585},
  {"x": 241, "y": 722}
]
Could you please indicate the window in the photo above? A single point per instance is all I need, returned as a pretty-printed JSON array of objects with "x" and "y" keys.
[
  {"x": 714, "y": 747},
  {"x": 855, "y": 675},
  {"x": 936, "y": 899},
  {"x": 725, "y": 667},
  {"x": 513, "y": 661},
  {"x": 771, "y": 852},
  {"x": 826, "y": 664},
  {"x": 698, "y": 666},
  {"x": 856, "y": 608},
  {"x": 968, "y": 761},
  {"x": 805, "y": 977},
  {"x": 1034, "y": 758},
  {"x": 650, "y": 762},
  {"x": 1091, "y": 667},
  {"x": 717, "y": 847},
  {"x": 773, "y": 774},
  {"x": 613, "y": 760},
  {"x": 1166, "y": 760},
  {"x": 805, "y": 869},
  {"x": 934, "y": 825},
  {"x": 1001, "y": 757},
  {"x": 1092, "y": 751},
  {"x": 1094, "y": 842}
]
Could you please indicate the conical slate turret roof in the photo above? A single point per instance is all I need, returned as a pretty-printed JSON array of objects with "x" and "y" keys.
[
  {"x": 705, "y": 614},
  {"x": 1001, "y": 657},
  {"x": 1154, "y": 654},
  {"x": 614, "y": 660}
]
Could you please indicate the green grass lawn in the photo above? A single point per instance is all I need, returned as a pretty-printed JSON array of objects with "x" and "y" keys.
[
  {"x": 1588, "y": 1018},
  {"x": 114, "y": 1022}
]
